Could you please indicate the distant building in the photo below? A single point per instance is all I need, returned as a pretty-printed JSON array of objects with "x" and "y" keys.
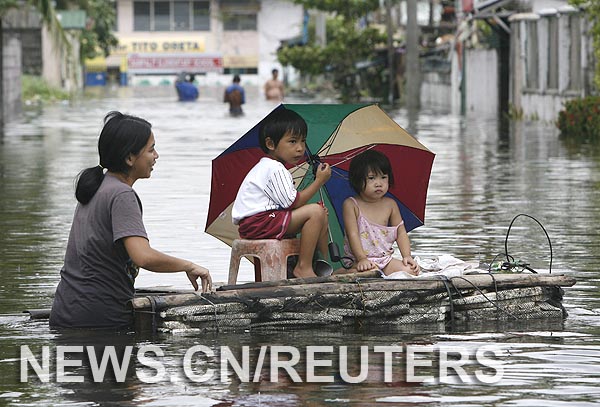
[
  {"x": 210, "y": 38},
  {"x": 528, "y": 64}
]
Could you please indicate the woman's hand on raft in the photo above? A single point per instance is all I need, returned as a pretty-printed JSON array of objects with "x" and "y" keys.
[{"x": 194, "y": 272}]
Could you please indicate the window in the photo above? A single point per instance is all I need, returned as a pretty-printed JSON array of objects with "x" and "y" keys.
[
  {"x": 238, "y": 15},
  {"x": 240, "y": 71},
  {"x": 239, "y": 22},
  {"x": 201, "y": 15},
  {"x": 575, "y": 52},
  {"x": 162, "y": 16},
  {"x": 171, "y": 15},
  {"x": 552, "y": 53},
  {"x": 141, "y": 16},
  {"x": 181, "y": 15},
  {"x": 531, "y": 55}
]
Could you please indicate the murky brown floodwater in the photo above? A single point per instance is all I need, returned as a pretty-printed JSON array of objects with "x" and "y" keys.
[{"x": 482, "y": 177}]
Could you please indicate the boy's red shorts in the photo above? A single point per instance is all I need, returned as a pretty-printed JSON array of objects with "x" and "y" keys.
[{"x": 265, "y": 225}]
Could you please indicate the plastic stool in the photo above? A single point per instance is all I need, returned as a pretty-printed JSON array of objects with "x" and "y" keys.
[{"x": 270, "y": 255}]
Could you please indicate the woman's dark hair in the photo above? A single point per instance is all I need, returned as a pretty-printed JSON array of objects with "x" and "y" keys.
[
  {"x": 121, "y": 135},
  {"x": 278, "y": 123},
  {"x": 365, "y": 162}
]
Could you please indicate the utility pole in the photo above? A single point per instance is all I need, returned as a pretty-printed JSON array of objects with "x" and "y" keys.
[
  {"x": 390, "y": 52},
  {"x": 413, "y": 71},
  {"x": 1, "y": 81}
]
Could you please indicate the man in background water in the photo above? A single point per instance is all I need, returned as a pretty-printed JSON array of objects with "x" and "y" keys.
[
  {"x": 235, "y": 96},
  {"x": 274, "y": 87}
]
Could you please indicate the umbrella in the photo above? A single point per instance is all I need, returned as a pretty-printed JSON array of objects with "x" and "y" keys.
[{"x": 336, "y": 133}]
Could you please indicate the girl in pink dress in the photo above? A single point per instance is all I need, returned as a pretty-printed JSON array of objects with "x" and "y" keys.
[{"x": 372, "y": 220}]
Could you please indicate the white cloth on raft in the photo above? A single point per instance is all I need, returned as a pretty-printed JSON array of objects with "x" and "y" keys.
[{"x": 443, "y": 264}]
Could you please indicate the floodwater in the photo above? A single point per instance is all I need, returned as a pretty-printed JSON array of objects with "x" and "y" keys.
[{"x": 483, "y": 176}]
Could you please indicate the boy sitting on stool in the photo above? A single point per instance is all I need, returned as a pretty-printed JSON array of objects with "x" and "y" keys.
[{"x": 268, "y": 206}]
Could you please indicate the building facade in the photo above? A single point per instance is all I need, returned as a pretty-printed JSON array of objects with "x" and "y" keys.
[
  {"x": 539, "y": 60},
  {"x": 551, "y": 61},
  {"x": 213, "y": 39}
]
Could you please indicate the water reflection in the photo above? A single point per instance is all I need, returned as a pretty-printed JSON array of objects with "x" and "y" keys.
[{"x": 485, "y": 173}]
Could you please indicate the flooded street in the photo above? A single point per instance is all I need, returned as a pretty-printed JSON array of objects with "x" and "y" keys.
[{"x": 483, "y": 176}]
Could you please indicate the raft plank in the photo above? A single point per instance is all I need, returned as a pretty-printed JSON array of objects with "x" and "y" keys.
[
  {"x": 340, "y": 278},
  {"x": 479, "y": 281}
]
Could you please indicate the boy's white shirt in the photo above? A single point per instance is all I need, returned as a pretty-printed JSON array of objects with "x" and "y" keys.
[{"x": 268, "y": 186}]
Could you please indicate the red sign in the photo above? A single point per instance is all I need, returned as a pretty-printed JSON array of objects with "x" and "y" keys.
[
  {"x": 467, "y": 6},
  {"x": 174, "y": 63}
]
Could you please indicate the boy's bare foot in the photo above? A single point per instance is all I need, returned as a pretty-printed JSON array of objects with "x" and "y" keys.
[{"x": 304, "y": 272}]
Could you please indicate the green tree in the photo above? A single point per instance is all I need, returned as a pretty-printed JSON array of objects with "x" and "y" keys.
[
  {"x": 98, "y": 36},
  {"x": 346, "y": 44},
  {"x": 592, "y": 10}
]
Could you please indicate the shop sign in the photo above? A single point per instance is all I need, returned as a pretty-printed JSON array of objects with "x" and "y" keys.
[
  {"x": 192, "y": 44},
  {"x": 155, "y": 63}
]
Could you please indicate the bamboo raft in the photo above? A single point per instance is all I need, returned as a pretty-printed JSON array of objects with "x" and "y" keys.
[{"x": 361, "y": 298}]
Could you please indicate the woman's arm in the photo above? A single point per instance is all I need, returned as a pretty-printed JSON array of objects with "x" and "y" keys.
[{"x": 148, "y": 258}]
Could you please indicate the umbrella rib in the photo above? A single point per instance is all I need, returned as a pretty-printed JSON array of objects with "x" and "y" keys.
[
  {"x": 351, "y": 156},
  {"x": 326, "y": 147}
]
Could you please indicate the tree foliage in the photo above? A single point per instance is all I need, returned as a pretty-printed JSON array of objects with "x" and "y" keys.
[
  {"x": 346, "y": 44},
  {"x": 349, "y": 9},
  {"x": 98, "y": 36},
  {"x": 580, "y": 119}
]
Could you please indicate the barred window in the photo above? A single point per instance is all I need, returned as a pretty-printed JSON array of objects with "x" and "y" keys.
[
  {"x": 141, "y": 16},
  {"x": 171, "y": 15},
  {"x": 575, "y": 52},
  {"x": 552, "y": 82},
  {"x": 531, "y": 55}
]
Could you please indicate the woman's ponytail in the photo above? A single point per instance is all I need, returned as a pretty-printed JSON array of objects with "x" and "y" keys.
[{"x": 88, "y": 181}]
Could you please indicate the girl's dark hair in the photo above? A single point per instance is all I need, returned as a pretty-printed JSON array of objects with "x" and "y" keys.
[
  {"x": 278, "y": 123},
  {"x": 121, "y": 135},
  {"x": 372, "y": 161}
]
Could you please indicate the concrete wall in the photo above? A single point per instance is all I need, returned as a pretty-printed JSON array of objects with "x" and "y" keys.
[
  {"x": 277, "y": 20},
  {"x": 436, "y": 90},
  {"x": 442, "y": 89},
  {"x": 61, "y": 65},
  {"x": 481, "y": 75},
  {"x": 542, "y": 101},
  {"x": 11, "y": 75}
]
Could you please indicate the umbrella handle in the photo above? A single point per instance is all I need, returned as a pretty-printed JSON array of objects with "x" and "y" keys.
[{"x": 334, "y": 252}]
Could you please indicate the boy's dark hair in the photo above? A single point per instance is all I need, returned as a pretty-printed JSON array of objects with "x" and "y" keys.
[
  {"x": 236, "y": 79},
  {"x": 278, "y": 123},
  {"x": 366, "y": 161}
]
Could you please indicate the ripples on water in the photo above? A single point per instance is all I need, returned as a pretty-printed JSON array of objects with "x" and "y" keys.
[{"x": 483, "y": 176}]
